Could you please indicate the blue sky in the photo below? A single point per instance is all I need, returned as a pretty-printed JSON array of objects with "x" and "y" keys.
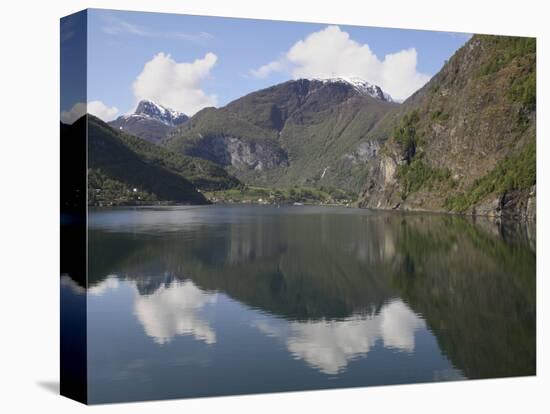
[{"x": 210, "y": 60}]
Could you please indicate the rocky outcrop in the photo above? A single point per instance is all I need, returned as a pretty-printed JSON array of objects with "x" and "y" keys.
[
  {"x": 239, "y": 153},
  {"x": 531, "y": 205},
  {"x": 365, "y": 152},
  {"x": 514, "y": 204},
  {"x": 465, "y": 142},
  {"x": 381, "y": 189}
]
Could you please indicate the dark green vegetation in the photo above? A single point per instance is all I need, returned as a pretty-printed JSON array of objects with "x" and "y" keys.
[
  {"x": 406, "y": 137},
  {"x": 413, "y": 173},
  {"x": 125, "y": 169},
  {"x": 419, "y": 175},
  {"x": 515, "y": 173},
  {"x": 105, "y": 191},
  {"x": 204, "y": 174},
  {"x": 465, "y": 142},
  {"x": 520, "y": 51},
  {"x": 120, "y": 175},
  {"x": 440, "y": 116},
  {"x": 265, "y": 195},
  {"x": 507, "y": 49}
]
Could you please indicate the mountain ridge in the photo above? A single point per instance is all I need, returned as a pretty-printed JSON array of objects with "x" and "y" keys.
[
  {"x": 360, "y": 85},
  {"x": 287, "y": 134},
  {"x": 149, "y": 121},
  {"x": 159, "y": 112},
  {"x": 124, "y": 169}
]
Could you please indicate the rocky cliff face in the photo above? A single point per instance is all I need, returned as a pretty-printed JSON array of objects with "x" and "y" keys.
[
  {"x": 522, "y": 204},
  {"x": 239, "y": 153},
  {"x": 465, "y": 142}
]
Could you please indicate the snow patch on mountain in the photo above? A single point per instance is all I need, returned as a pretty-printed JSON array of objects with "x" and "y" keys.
[
  {"x": 151, "y": 110},
  {"x": 360, "y": 85}
]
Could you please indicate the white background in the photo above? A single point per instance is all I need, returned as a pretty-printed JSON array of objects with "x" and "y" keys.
[{"x": 29, "y": 176}]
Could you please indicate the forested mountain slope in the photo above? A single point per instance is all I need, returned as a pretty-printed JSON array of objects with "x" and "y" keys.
[
  {"x": 119, "y": 175},
  {"x": 302, "y": 132}
]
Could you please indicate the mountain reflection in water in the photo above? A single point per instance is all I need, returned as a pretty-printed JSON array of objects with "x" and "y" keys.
[{"x": 303, "y": 298}]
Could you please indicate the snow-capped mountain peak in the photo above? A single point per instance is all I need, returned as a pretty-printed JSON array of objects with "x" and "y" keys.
[
  {"x": 160, "y": 113},
  {"x": 359, "y": 85},
  {"x": 149, "y": 121}
]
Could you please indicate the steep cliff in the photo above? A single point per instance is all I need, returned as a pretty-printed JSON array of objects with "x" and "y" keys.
[{"x": 465, "y": 142}]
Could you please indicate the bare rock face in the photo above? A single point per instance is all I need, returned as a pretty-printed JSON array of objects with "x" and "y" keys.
[
  {"x": 388, "y": 168},
  {"x": 513, "y": 204},
  {"x": 365, "y": 152},
  {"x": 491, "y": 207},
  {"x": 531, "y": 208},
  {"x": 240, "y": 154},
  {"x": 381, "y": 190}
]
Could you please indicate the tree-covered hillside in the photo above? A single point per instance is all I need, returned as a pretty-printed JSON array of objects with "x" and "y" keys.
[
  {"x": 119, "y": 175},
  {"x": 204, "y": 174}
]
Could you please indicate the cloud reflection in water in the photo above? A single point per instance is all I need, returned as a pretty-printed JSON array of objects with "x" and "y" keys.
[
  {"x": 330, "y": 345},
  {"x": 174, "y": 309}
]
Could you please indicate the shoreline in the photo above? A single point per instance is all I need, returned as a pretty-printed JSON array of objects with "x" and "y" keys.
[{"x": 506, "y": 217}]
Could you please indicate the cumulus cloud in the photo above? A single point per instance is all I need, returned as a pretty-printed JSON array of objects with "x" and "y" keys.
[
  {"x": 332, "y": 53},
  {"x": 96, "y": 108},
  {"x": 176, "y": 85},
  {"x": 266, "y": 70},
  {"x": 329, "y": 345},
  {"x": 102, "y": 111}
]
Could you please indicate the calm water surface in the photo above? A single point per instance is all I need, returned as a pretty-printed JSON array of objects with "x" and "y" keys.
[{"x": 201, "y": 301}]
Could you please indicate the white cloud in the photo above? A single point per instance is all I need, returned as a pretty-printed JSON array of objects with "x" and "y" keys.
[
  {"x": 96, "y": 108},
  {"x": 329, "y": 345},
  {"x": 266, "y": 70},
  {"x": 174, "y": 309},
  {"x": 176, "y": 85},
  {"x": 102, "y": 111},
  {"x": 78, "y": 110},
  {"x": 332, "y": 53}
]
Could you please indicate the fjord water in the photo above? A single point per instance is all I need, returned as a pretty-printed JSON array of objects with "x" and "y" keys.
[{"x": 216, "y": 300}]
